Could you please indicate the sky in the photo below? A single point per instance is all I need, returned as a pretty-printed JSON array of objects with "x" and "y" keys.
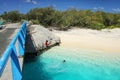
[{"x": 23, "y": 6}]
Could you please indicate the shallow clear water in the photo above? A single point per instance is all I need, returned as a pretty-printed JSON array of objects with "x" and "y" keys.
[{"x": 80, "y": 65}]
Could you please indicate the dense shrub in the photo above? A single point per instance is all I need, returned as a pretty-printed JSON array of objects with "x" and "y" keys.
[
  {"x": 64, "y": 19},
  {"x": 96, "y": 25}
]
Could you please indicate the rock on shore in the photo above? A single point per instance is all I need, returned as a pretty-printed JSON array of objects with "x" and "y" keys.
[{"x": 37, "y": 37}]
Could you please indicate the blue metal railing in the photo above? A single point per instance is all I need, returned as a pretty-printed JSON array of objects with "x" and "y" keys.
[{"x": 14, "y": 49}]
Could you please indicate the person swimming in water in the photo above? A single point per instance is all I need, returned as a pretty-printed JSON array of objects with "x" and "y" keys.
[{"x": 64, "y": 61}]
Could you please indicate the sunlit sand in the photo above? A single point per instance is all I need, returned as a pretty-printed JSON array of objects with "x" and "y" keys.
[{"x": 104, "y": 40}]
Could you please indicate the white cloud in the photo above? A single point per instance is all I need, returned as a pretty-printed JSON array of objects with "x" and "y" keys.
[
  {"x": 94, "y": 8},
  {"x": 34, "y": 2},
  {"x": 101, "y": 8},
  {"x": 116, "y": 9},
  {"x": 98, "y": 8},
  {"x": 31, "y": 1}
]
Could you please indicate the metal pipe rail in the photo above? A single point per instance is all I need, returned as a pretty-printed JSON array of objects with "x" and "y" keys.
[{"x": 13, "y": 52}]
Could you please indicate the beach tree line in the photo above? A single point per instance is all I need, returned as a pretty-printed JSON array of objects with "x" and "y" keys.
[{"x": 49, "y": 17}]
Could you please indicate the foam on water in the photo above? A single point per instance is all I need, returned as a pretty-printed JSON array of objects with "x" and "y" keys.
[{"x": 80, "y": 65}]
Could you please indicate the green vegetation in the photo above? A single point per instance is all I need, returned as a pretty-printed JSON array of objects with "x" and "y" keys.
[{"x": 50, "y": 17}]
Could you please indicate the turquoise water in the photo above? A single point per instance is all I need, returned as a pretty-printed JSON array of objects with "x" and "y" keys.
[{"x": 80, "y": 64}]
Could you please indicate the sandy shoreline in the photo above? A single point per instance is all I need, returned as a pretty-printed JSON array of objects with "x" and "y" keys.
[{"x": 104, "y": 40}]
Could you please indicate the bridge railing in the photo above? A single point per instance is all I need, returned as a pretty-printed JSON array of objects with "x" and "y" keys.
[{"x": 14, "y": 49}]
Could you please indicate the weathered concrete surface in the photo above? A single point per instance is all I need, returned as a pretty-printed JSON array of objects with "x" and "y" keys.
[
  {"x": 36, "y": 38},
  {"x": 6, "y": 35}
]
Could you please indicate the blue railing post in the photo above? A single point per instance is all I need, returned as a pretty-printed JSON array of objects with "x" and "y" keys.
[
  {"x": 4, "y": 59},
  {"x": 16, "y": 71},
  {"x": 22, "y": 37},
  {"x": 20, "y": 45},
  {"x": 23, "y": 32}
]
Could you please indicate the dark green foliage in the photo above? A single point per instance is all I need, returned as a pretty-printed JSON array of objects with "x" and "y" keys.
[
  {"x": 96, "y": 25},
  {"x": 43, "y": 15},
  {"x": 63, "y": 20},
  {"x": 12, "y": 16}
]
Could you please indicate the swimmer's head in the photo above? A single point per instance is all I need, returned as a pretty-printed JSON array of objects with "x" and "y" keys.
[{"x": 64, "y": 60}]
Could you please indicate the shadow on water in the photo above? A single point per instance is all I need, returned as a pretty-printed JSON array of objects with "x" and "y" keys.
[{"x": 33, "y": 69}]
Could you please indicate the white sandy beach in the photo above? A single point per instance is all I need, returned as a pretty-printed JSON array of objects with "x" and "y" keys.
[{"x": 104, "y": 40}]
